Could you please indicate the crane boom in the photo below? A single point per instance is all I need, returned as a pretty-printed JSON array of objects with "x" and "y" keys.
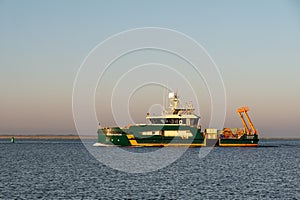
[
  {"x": 244, "y": 123},
  {"x": 244, "y": 110},
  {"x": 251, "y": 124}
]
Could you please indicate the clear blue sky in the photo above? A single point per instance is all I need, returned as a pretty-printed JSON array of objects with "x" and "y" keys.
[{"x": 255, "y": 44}]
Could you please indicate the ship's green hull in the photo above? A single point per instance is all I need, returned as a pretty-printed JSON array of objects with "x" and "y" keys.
[
  {"x": 152, "y": 135},
  {"x": 167, "y": 135}
]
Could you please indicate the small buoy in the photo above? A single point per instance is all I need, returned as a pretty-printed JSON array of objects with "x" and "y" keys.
[{"x": 12, "y": 140}]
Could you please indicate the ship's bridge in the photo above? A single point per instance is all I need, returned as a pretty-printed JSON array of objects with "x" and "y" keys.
[
  {"x": 176, "y": 114},
  {"x": 190, "y": 120}
]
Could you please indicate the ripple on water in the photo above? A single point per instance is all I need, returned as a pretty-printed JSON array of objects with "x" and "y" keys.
[{"x": 64, "y": 169}]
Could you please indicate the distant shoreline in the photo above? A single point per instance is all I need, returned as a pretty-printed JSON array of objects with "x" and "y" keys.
[
  {"x": 49, "y": 137},
  {"x": 76, "y": 137}
]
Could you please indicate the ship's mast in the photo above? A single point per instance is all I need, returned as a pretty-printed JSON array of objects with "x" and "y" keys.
[{"x": 174, "y": 102}]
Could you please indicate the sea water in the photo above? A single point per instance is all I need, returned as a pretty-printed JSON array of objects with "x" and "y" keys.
[{"x": 64, "y": 169}]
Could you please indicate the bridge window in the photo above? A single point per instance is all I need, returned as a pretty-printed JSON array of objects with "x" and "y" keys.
[
  {"x": 172, "y": 121},
  {"x": 157, "y": 121},
  {"x": 194, "y": 122}
]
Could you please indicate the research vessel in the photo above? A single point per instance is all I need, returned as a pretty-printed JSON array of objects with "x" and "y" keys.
[{"x": 177, "y": 126}]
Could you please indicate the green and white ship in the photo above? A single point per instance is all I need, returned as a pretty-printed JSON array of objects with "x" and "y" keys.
[
  {"x": 175, "y": 127},
  {"x": 178, "y": 126}
]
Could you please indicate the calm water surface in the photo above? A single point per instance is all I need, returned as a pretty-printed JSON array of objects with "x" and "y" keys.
[{"x": 63, "y": 169}]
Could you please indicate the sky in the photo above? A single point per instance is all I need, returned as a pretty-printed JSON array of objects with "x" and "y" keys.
[{"x": 255, "y": 44}]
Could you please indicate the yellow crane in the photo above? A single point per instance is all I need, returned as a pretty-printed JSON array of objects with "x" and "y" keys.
[{"x": 243, "y": 111}]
